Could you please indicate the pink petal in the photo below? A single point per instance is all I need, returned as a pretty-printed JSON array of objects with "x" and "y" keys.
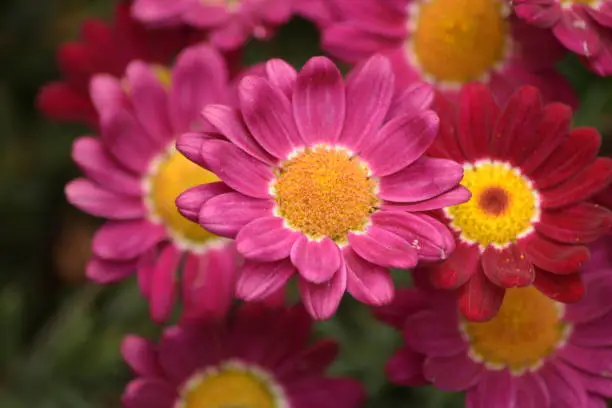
[
  {"x": 236, "y": 168},
  {"x": 149, "y": 393},
  {"x": 322, "y": 300},
  {"x": 457, "y": 195},
  {"x": 319, "y": 104},
  {"x": 422, "y": 180},
  {"x": 93, "y": 199},
  {"x": 531, "y": 391},
  {"x": 281, "y": 75},
  {"x": 208, "y": 283},
  {"x": 352, "y": 42},
  {"x": 405, "y": 368},
  {"x": 366, "y": 111},
  {"x": 163, "y": 283},
  {"x": 366, "y": 282},
  {"x": 594, "y": 305},
  {"x": 455, "y": 373},
  {"x": 107, "y": 95},
  {"x": 227, "y": 214},
  {"x": 383, "y": 248},
  {"x": 190, "y": 145},
  {"x": 154, "y": 11},
  {"x": 208, "y": 17},
  {"x": 457, "y": 269},
  {"x": 316, "y": 261},
  {"x": 199, "y": 77},
  {"x": 415, "y": 98},
  {"x": 267, "y": 113},
  {"x": 577, "y": 31},
  {"x": 259, "y": 280},
  {"x": 495, "y": 389},
  {"x": 141, "y": 356},
  {"x": 435, "y": 333},
  {"x": 266, "y": 240},
  {"x": 596, "y": 333},
  {"x": 101, "y": 271},
  {"x": 125, "y": 240},
  {"x": 190, "y": 202},
  {"x": 565, "y": 387},
  {"x": 400, "y": 142},
  {"x": 324, "y": 392}
]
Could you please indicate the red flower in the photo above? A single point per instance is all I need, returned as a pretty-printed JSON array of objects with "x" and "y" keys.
[
  {"x": 103, "y": 48},
  {"x": 528, "y": 218}
]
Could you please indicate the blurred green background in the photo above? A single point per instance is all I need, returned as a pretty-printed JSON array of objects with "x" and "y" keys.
[{"x": 59, "y": 335}]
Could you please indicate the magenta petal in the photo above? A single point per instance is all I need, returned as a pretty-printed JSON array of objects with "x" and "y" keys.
[
  {"x": 422, "y": 180},
  {"x": 319, "y": 101},
  {"x": 227, "y": 214},
  {"x": 317, "y": 261},
  {"x": 191, "y": 201},
  {"x": 266, "y": 240},
  {"x": 267, "y": 113},
  {"x": 578, "y": 32},
  {"x": 531, "y": 391},
  {"x": 259, "y": 280},
  {"x": 495, "y": 389},
  {"x": 90, "y": 155},
  {"x": 433, "y": 333},
  {"x": 369, "y": 89},
  {"x": 564, "y": 384},
  {"x": 107, "y": 95},
  {"x": 236, "y": 168},
  {"x": 400, "y": 142},
  {"x": 141, "y": 356},
  {"x": 596, "y": 333},
  {"x": 154, "y": 11},
  {"x": 405, "y": 367},
  {"x": 101, "y": 271},
  {"x": 97, "y": 201},
  {"x": 199, "y": 77},
  {"x": 228, "y": 122},
  {"x": 383, "y": 248},
  {"x": 281, "y": 75},
  {"x": 190, "y": 145},
  {"x": 163, "y": 283},
  {"x": 415, "y": 98},
  {"x": 149, "y": 393},
  {"x": 322, "y": 300},
  {"x": 366, "y": 282},
  {"x": 208, "y": 283},
  {"x": 125, "y": 240},
  {"x": 457, "y": 195},
  {"x": 455, "y": 373}
]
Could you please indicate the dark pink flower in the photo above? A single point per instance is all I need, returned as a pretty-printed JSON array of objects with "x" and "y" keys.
[{"x": 259, "y": 358}]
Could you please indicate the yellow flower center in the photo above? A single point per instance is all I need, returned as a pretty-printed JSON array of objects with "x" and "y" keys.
[
  {"x": 325, "y": 192},
  {"x": 231, "y": 388},
  {"x": 527, "y": 329},
  {"x": 570, "y": 2},
  {"x": 458, "y": 41},
  {"x": 503, "y": 207},
  {"x": 173, "y": 174}
]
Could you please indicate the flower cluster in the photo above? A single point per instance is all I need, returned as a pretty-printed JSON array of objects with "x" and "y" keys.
[{"x": 447, "y": 150}]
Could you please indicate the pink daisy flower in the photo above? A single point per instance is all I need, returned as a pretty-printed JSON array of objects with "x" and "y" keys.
[
  {"x": 535, "y": 353},
  {"x": 583, "y": 26},
  {"x": 260, "y": 358},
  {"x": 133, "y": 175},
  {"x": 107, "y": 49},
  {"x": 328, "y": 180},
  {"x": 449, "y": 43},
  {"x": 229, "y": 23},
  {"x": 529, "y": 218}
]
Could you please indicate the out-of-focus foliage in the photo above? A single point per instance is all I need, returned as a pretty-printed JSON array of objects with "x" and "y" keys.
[{"x": 59, "y": 335}]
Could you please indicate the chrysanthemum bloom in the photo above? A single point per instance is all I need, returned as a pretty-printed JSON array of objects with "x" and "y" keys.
[
  {"x": 528, "y": 218},
  {"x": 583, "y": 26},
  {"x": 534, "y": 353},
  {"x": 260, "y": 358},
  {"x": 449, "y": 43},
  {"x": 103, "y": 49},
  {"x": 134, "y": 174},
  {"x": 229, "y": 23},
  {"x": 328, "y": 180}
]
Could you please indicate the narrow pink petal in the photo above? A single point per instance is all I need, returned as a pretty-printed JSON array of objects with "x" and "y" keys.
[
  {"x": 543, "y": 13},
  {"x": 199, "y": 77},
  {"x": 266, "y": 240},
  {"x": 369, "y": 89},
  {"x": 141, "y": 356},
  {"x": 163, "y": 283},
  {"x": 422, "y": 180},
  {"x": 322, "y": 300},
  {"x": 565, "y": 385},
  {"x": 90, "y": 155},
  {"x": 208, "y": 17},
  {"x": 578, "y": 32},
  {"x": 281, "y": 75},
  {"x": 208, "y": 283},
  {"x": 596, "y": 333},
  {"x": 457, "y": 195},
  {"x": 228, "y": 122},
  {"x": 126, "y": 240},
  {"x": 190, "y": 145},
  {"x": 405, "y": 368},
  {"x": 319, "y": 105},
  {"x": 150, "y": 101},
  {"x": 595, "y": 304},
  {"x": 107, "y": 95},
  {"x": 259, "y": 280},
  {"x": 95, "y": 200},
  {"x": 236, "y": 168},
  {"x": 268, "y": 115},
  {"x": 190, "y": 202},
  {"x": 149, "y": 393},
  {"x": 383, "y": 248},
  {"x": 155, "y": 11},
  {"x": 435, "y": 333},
  {"x": 352, "y": 42},
  {"x": 400, "y": 142},
  {"x": 495, "y": 389},
  {"x": 101, "y": 271},
  {"x": 367, "y": 282},
  {"x": 531, "y": 391},
  {"x": 144, "y": 273},
  {"x": 454, "y": 373},
  {"x": 404, "y": 303},
  {"x": 415, "y": 98},
  {"x": 308, "y": 360},
  {"x": 227, "y": 214},
  {"x": 317, "y": 261}
]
